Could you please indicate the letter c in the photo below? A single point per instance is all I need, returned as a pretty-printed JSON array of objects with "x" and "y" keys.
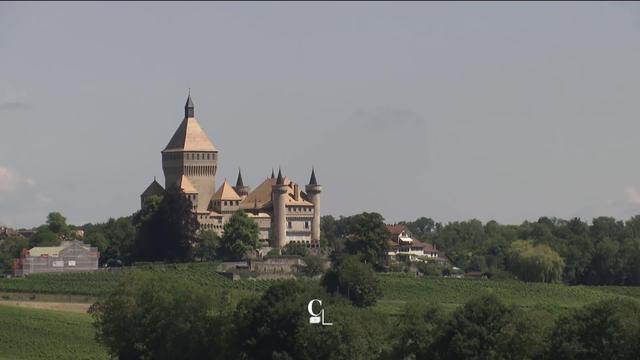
[{"x": 310, "y": 307}]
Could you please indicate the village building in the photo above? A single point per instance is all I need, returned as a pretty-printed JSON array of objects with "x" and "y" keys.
[
  {"x": 283, "y": 212},
  {"x": 69, "y": 256},
  {"x": 402, "y": 245}
]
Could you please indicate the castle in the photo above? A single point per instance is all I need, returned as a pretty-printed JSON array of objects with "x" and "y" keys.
[{"x": 283, "y": 212}]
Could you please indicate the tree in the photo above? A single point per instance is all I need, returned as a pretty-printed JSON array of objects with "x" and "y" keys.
[
  {"x": 313, "y": 265},
  {"x": 478, "y": 331},
  {"x": 295, "y": 249},
  {"x": 535, "y": 262},
  {"x": 10, "y": 248},
  {"x": 354, "y": 280},
  {"x": 207, "y": 244},
  {"x": 367, "y": 237},
  {"x": 418, "y": 327},
  {"x": 44, "y": 237},
  {"x": 57, "y": 223},
  {"x": 168, "y": 234},
  {"x": 266, "y": 327},
  {"x": 240, "y": 236},
  {"x": 276, "y": 326},
  {"x": 148, "y": 317},
  {"x": 609, "y": 329}
]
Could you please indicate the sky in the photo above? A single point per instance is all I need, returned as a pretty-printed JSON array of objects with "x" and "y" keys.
[{"x": 454, "y": 111}]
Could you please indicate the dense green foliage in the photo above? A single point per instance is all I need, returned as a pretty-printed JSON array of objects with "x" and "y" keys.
[
  {"x": 207, "y": 245},
  {"x": 353, "y": 279},
  {"x": 604, "y": 330},
  {"x": 57, "y": 223},
  {"x": 363, "y": 234},
  {"x": 150, "y": 318},
  {"x": 605, "y": 252},
  {"x": 277, "y": 326},
  {"x": 240, "y": 236},
  {"x": 32, "y": 334},
  {"x": 313, "y": 265},
  {"x": 169, "y": 232},
  {"x": 114, "y": 239},
  {"x": 531, "y": 262}
]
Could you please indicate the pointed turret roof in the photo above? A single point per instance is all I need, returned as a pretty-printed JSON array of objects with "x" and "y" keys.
[
  {"x": 153, "y": 189},
  {"x": 280, "y": 180},
  {"x": 239, "y": 182},
  {"x": 226, "y": 192},
  {"x": 313, "y": 180},
  {"x": 189, "y": 109},
  {"x": 272, "y": 174}
]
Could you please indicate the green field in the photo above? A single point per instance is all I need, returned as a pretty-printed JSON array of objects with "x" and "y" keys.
[
  {"x": 45, "y": 334},
  {"x": 397, "y": 288}
]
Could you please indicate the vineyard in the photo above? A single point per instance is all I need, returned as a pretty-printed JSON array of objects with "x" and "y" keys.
[
  {"x": 44, "y": 334},
  {"x": 99, "y": 283},
  {"x": 397, "y": 288},
  {"x": 458, "y": 291}
]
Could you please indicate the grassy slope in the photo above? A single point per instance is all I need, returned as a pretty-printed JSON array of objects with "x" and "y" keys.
[{"x": 45, "y": 334}]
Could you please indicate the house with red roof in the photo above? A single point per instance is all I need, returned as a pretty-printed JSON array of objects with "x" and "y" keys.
[{"x": 402, "y": 244}]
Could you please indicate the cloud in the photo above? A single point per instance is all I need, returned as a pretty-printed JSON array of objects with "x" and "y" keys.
[
  {"x": 11, "y": 182},
  {"x": 21, "y": 202},
  {"x": 632, "y": 195}
]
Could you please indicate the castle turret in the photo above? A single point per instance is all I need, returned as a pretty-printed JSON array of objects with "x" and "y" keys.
[
  {"x": 313, "y": 193},
  {"x": 279, "y": 221},
  {"x": 240, "y": 188}
]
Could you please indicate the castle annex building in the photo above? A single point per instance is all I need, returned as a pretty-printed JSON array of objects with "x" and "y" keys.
[{"x": 284, "y": 213}]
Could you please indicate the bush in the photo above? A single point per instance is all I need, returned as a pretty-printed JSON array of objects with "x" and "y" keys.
[
  {"x": 354, "y": 280},
  {"x": 149, "y": 317},
  {"x": 314, "y": 265}
]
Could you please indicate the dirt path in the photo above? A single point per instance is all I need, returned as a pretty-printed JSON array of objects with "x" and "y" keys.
[{"x": 59, "y": 306}]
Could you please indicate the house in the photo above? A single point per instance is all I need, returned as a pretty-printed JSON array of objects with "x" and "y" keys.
[
  {"x": 69, "y": 256},
  {"x": 402, "y": 244}
]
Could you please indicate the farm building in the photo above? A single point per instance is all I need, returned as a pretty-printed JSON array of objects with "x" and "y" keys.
[{"x": 69, "y": 256}]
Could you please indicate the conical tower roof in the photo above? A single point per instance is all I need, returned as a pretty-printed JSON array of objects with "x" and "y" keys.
[
  {"x": 226, "y": 192},
  {"x": 189, "y": 136},
  {"x": 153, "y": 189},
  {"x": 239, "y": 182},
  {"x": 280, "y": 180},
  {"x": 313, "y": 180}
]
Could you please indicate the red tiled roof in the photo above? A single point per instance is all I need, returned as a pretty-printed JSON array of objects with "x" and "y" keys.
[{"x": 396, "y": 229}]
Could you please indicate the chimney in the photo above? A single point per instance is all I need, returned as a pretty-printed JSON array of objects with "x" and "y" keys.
[{"x": 296, "y": 192}]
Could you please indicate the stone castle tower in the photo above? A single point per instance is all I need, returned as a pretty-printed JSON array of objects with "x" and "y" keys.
[
  {"x": 284, "y": 214},
  {"x": 190, "y": 161}
]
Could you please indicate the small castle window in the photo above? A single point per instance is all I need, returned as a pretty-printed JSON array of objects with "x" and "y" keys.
[{"x": 289, "y": 224}]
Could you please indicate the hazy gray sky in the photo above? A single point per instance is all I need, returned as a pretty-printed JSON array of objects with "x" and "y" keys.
[{"x": 505, "y": 111}]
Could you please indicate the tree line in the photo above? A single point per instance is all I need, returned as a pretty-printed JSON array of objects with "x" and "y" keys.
[
  {"x": 151, "y": 318},
  {"x": 603, "y": 252}
]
